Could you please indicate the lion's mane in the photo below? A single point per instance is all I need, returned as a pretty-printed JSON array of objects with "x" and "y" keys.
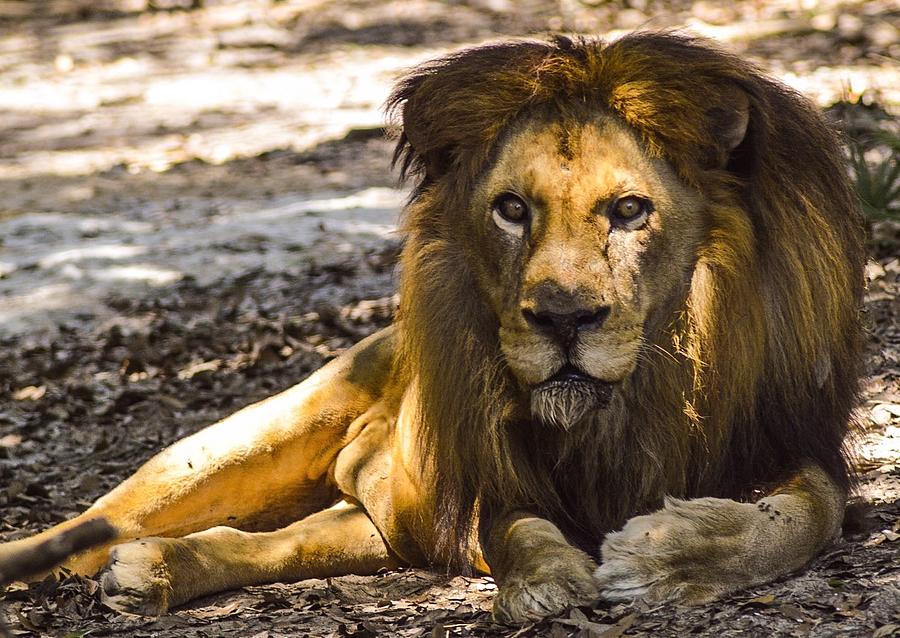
[{"x": 751, "y": 371}]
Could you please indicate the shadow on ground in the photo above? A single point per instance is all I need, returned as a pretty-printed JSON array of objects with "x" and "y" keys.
[{"x": 207, "y": 142}]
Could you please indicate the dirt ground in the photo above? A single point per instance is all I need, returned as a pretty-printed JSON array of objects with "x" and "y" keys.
[{"x": 196, "y": 211}]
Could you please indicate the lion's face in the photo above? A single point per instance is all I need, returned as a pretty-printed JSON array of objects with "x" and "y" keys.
[{"x": 584, "y": 240}]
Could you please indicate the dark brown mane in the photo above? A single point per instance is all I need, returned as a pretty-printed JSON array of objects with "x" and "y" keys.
[{"x": 764, "y": 347}]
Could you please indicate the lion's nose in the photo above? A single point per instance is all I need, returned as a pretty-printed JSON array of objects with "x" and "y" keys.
[{"x": 565, "y": 326}]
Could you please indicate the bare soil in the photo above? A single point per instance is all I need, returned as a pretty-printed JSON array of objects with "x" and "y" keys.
[{"x": 197, "y": 212}]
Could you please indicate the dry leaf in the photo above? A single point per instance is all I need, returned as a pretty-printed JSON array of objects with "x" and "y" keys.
[
  {"x": 30, "y": 393},
  {"x": 578, "y": 619},
  {"x": 217, "y": 612},
  {"x": 768, "y": 599},
  {"x": 620, "y": 627},
  {"x": 10, "y": 440},
  {"x": 886, "y": 630},
  {"x": 793, "y": 612},
  {"x": 880, "y": 416},
  {"x": 893, "y": 408}
]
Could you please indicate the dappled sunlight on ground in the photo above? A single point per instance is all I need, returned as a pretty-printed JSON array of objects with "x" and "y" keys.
[
  {"x": 152, "y": 120},
  {"x": 54, "y": 261},
  {"x": 233, "y": 80},
  {"x": 124, "y": 118},
  {"x": 197, "y": 210}
]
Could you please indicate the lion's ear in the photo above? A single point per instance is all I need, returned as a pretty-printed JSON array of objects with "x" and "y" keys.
[
  {"x": 426, "y": 142},
  {"x": 434, "y": 158},
  {"x": 453, "y": 108},
  {"x": 729, "y": 121}
]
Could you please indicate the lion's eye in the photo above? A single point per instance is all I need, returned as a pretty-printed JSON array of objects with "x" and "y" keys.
[
  {"x": 511, "y": 208},
  {"x": 510, "y": 213},
  {"x": 631, "y": 211}
]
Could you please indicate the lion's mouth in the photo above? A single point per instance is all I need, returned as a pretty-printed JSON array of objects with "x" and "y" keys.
[
  {"x": 568, "y": 374},
  {"x": 568, "y": 396}
]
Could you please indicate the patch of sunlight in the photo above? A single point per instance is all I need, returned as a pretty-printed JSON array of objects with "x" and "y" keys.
[
  {"x": 359, "y": 227},
  {"x": 363, "y": 77},
  {"x": 742, "y": 32},
  {"x": 49, "y": 297},
  {"x": 377, "y": 198},
  {"x": 103, "y": 225},
  {"x": 820, "y": 85},
  {"x": 17, "y": 222},
  {"x": 153, "y": 275},
  {"x": 295, "y": 106},
  {"x": 77, "y": 193},
  {"x": 71, "y": 271},
  {"x": 18, "y": 42},
  {"x": 95, "y": 160},
  {"x": 885, "y": 446},
  {"x": 215, "y": 146},
  {"x": 124, "y": 68},
  {"x": 91, "y": 252}
]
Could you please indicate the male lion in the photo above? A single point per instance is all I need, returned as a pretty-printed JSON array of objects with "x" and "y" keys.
[{"x": 630, "y": 292}]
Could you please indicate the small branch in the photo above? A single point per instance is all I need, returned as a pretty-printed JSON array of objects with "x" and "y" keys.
[{"x": 50, "y": 553}]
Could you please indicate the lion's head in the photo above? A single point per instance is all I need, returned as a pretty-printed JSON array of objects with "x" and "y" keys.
[
  {"x": 632, "y": 269},
  {"x": 584, "y": 240}
]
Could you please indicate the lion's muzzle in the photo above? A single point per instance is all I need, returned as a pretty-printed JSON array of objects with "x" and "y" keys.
[
  {"x": 565, "y": 327},
  {"x": 563, "y": 313}
]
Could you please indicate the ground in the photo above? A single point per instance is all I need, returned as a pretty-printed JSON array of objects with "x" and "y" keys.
[{"x": 197, "y": 212}]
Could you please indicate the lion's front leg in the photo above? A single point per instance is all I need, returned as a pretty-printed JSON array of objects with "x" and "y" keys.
[
  {"x": 538, "y": 572},
  {"x": 696, "y": 550}
]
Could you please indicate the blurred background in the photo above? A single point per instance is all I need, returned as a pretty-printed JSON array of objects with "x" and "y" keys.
[
  {"x": 196, "y": 210},
  {"x": 127, "y": 124}
]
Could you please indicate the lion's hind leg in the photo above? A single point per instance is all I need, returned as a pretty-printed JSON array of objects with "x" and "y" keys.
[
  {"x": 696, "y": 550},
  {"x": 151, "y": 575},
  {"x": 261, "y": 468}
]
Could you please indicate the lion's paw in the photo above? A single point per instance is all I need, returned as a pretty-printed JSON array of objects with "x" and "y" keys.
[
  {"x": 689, "y": 552},
  {"x": 547, "y": 590},
  {"x": 136, "y": 579}
]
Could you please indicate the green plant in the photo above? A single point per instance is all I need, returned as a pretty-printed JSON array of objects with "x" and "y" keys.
[{"x": 878, "y": 183}]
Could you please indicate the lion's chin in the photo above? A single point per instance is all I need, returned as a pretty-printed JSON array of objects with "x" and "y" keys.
[{"x": 567, "y": 397}]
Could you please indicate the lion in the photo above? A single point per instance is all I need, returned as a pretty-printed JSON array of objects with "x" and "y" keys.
[{"x": 623, "y": 366}]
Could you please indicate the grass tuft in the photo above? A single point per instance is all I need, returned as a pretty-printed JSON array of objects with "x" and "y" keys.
[{"x": 877, "y": 180}]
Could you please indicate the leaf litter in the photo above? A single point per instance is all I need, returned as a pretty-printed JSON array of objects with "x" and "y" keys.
[
  {"x": 127, "y": 396},
  {"x": 90, "y": 399}
]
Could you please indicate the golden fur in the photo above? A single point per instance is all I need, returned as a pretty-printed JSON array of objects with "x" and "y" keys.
[
  {"x": 737, "y": 403},
  {"x": 717, "y": 347}
]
